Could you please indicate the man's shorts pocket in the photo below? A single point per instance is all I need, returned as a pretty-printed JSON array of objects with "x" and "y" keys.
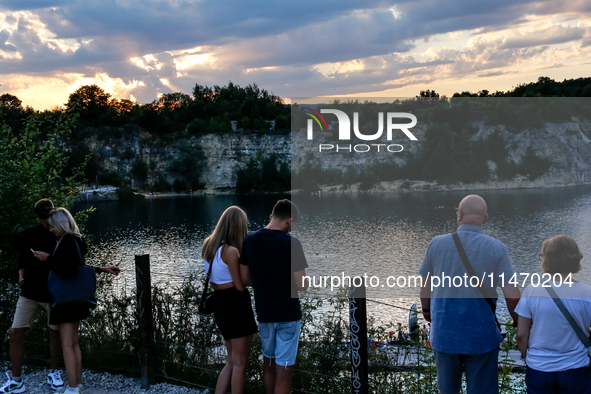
[{"x": 287, "y": 332}]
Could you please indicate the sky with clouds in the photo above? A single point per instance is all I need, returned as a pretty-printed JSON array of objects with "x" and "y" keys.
[{"x": 138, "y": 49}]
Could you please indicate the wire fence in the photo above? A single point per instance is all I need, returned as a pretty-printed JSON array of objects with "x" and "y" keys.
[{"x": 188, "y": 349}]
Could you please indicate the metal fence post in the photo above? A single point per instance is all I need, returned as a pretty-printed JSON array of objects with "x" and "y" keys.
[
  {"x": 358, "y": 328},
  {"x": 144, "y": 304}
]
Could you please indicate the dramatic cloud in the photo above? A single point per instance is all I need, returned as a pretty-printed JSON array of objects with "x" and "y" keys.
[{"x": 48, "y": 48}]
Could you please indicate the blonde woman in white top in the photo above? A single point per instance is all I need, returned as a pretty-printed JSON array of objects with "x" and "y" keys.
[{"x": 233, "y": 309}]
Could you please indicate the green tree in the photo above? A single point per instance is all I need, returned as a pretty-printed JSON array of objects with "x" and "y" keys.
[
  {"x": 88, "y": 97},
  {"x": 497, "y": 150},
  {"x": 139, "y": 169},
  {"x": 428, "y": 93},
  {"x": 11, "y": 102},
  {"x": 533, "y": 166},
  {"x": 91, "y": 100},
  {"x": 248, "y": 178},
  {"x": 263, "y": 174},
  {"x": 31, "y": 164},
  {"x": 189, "y": 164}
]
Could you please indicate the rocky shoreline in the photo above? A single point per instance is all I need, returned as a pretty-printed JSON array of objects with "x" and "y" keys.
[
  {"x": 414, "y": 186},
  {"x": 520, "y": 182},
  {"x": 100, "y": 383}
]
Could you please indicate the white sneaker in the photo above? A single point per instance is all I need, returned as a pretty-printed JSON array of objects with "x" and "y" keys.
[
  {"x": 13, "y": 387},
  {"x": 55, "y": 379},
  {"x": 64, "y": 390},
  {"x": 61, "y": 390}
]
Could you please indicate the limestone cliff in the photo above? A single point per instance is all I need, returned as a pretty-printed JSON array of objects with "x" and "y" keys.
[
  {"x": 224, "y": 153},
  {"x": 567, "y": 145}
]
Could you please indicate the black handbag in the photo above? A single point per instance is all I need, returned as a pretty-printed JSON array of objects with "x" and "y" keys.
[
  {"x": 207, "y": 300},
  {"x": 77, "y": 291}
]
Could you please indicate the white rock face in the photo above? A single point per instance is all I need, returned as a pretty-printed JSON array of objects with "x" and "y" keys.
[
  {"x": 566, "y": 144},
  {"x": 226, "y": 154}
]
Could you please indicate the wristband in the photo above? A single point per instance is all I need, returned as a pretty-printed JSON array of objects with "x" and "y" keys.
[
  {"x": 426, "y": 310},
  {"x": 20, "y": 283}
]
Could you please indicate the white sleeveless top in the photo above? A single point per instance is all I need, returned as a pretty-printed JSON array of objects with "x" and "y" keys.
[{"x": 220, "y": 273}]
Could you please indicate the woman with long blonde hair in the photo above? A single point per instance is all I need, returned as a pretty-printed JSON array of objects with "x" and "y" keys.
[
  {"x": 233, "y": 309},
  {"x": 64, "y": 261}
]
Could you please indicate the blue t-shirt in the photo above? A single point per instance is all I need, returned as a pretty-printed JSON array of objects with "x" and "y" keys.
[
  {"x": 462, "y": 322},
  {"x": 272, "y": 257}
]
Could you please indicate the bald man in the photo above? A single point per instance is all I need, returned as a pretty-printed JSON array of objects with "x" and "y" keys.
[{"x": 464, "y": 331}]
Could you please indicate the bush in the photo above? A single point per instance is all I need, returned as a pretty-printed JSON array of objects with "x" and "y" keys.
[
  {"x": 161, "y": 184},
  {"x": 32, "y": 163},
  {"x": 111, "y": 178},
  {"x": 179, "y": 186},
  {"x": 533, "y": 166},
  {"x": 263, "y": 174},
  {"x": 126, "y": 193},
  {"x": 139, "y": 169},
  {"x": 189, "y": 164}
]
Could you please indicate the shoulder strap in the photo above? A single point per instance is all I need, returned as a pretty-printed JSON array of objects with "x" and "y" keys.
[
  {"x": 471, "y": 271},
  {"x": 569, "y": 317},
  {"x": 79, "y": 252},
  {"x": 206, "y": 284}
]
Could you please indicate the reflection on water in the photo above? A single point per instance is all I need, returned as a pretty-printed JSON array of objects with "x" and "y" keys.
[
  {"x": 381, "y": 234},
  {"x": 170, "y": 230}
]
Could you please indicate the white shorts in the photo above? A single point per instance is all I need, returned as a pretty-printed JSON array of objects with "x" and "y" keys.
[{"x": 27, "y": 311}]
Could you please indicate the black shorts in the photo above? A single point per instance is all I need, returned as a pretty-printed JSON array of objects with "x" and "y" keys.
[
  {"x": 68, "y": 314},
  {"x": 233, "y": 313}
]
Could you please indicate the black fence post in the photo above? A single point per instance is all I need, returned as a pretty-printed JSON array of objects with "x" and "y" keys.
[
  {"x": 358, "y": 328},
  {"x": 144, "y": 304}
]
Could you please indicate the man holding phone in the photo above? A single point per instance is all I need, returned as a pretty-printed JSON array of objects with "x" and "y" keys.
[{"x": 32, "y": 279}]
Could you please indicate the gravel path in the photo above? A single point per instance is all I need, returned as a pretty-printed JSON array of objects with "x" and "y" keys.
[{"x": 98, "y": 383}]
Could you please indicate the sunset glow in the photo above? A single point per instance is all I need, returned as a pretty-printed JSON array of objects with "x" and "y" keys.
[{"x": 397, "y": 50}]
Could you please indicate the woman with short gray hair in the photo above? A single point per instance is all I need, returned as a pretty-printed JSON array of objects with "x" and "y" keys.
[{"x": 557, "y": 360}]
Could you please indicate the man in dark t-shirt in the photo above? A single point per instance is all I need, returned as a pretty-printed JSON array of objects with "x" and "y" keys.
[
  {"x": 274, "y": 264},
  {"x": 32, "y": 279}
]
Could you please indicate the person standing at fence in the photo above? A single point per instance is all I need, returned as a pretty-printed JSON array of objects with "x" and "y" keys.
[
  {"x": 464, "y": 332},
  {"x": 274, "y": 263},
  {"x": 424, "y": 333},
  {"x": 557, "y": 360},
  {"x": 233, "y": 308},
  {"x": 33, "y": 298},
  {"x": 64, "y": 262}
]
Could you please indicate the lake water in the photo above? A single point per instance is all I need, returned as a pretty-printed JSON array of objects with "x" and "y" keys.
[{"x": 381, "y": 234}]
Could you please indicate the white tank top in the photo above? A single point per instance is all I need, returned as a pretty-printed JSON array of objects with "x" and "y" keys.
[{"x": 220, "y": 273}]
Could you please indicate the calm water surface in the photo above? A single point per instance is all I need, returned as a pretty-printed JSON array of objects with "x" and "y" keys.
[{"x": 380, "y": 234}]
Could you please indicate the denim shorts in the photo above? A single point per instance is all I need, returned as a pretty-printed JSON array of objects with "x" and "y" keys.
[
  {"x": 482, "y": 375},
  {"x": 280, "y": 341},
  {"x": 576, "y": 381}
]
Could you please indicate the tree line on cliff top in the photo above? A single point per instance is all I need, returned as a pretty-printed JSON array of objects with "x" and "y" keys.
[
  {"x": 178, "y": 116},
  {"x": 211, "y": 109},
  {"x": 207, "y": 110}
]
